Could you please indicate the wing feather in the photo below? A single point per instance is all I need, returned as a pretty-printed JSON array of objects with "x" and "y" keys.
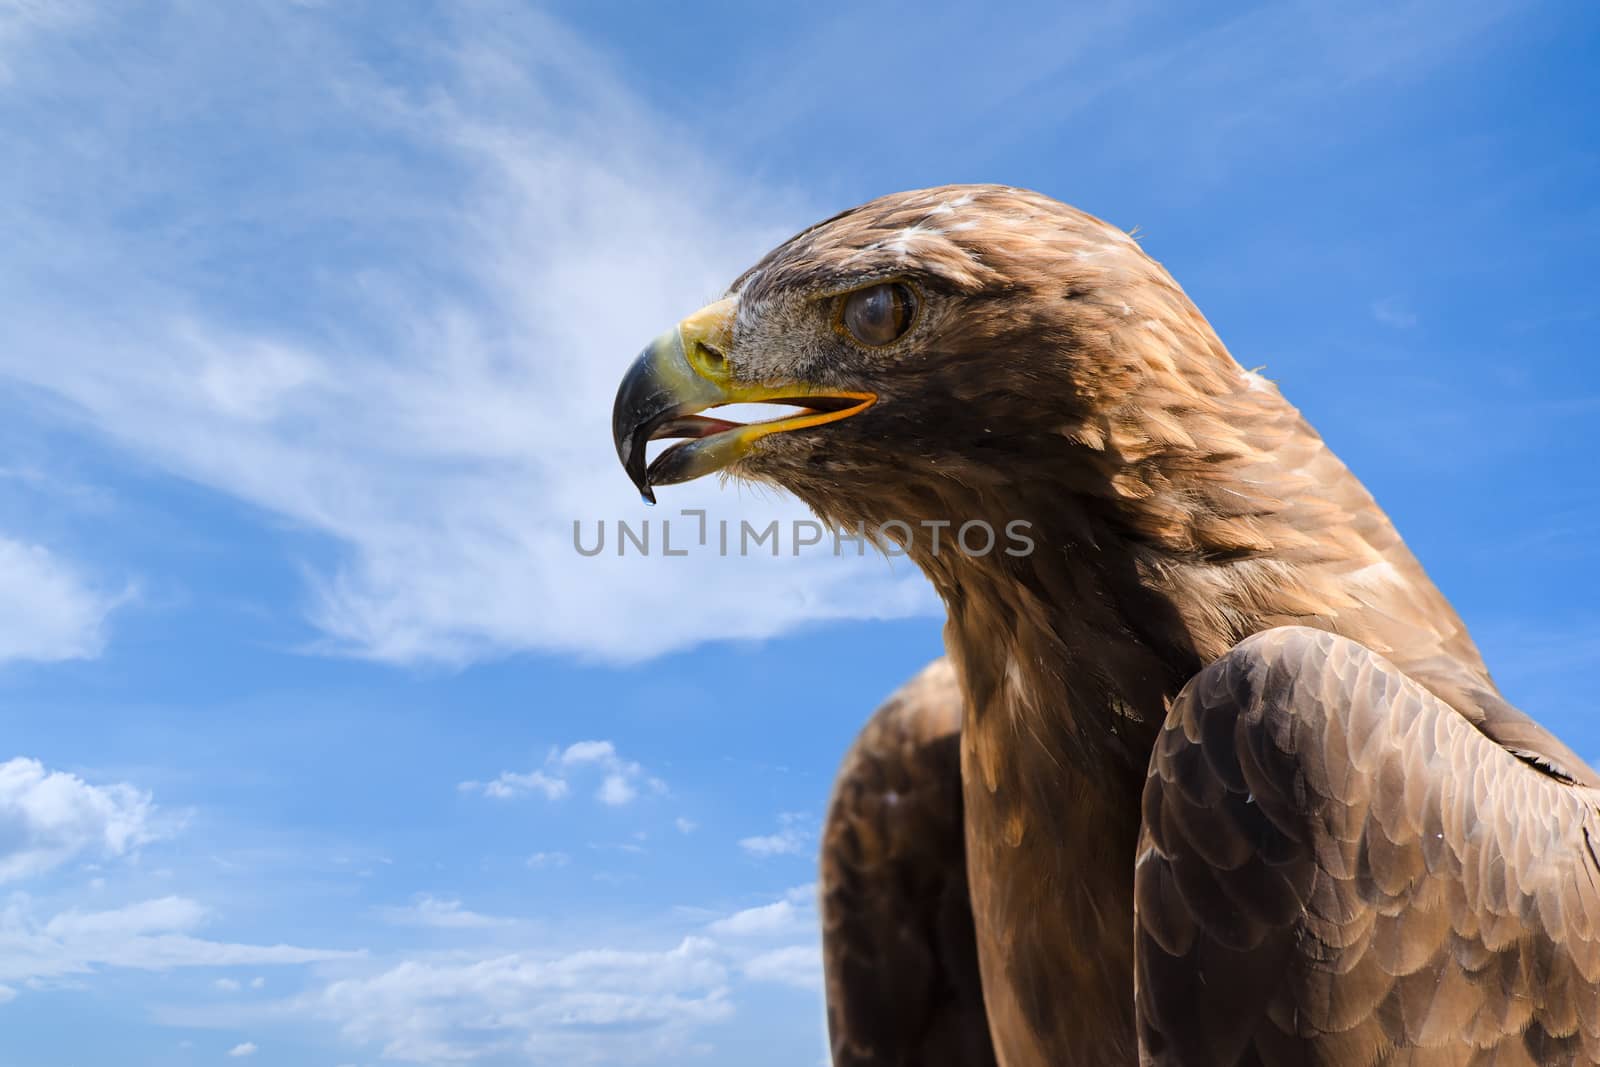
[
  {"x": 899, "y": 949},
  {"x": 1435, "y": 897}
]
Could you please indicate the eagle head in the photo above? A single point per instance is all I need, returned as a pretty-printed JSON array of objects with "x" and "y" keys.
[{"x": 926, "y": 345}]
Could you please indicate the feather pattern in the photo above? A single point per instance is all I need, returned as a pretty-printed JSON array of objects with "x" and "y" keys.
[
  {"x": 899, "y": 954},
  {"x": 1336, "y": 867}
]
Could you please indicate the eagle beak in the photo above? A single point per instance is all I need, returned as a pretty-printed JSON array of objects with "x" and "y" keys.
[{"x": 686, "y": 371}]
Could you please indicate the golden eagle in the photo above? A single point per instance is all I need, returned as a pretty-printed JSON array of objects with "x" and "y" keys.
[{"x": 1234, "y": 785}]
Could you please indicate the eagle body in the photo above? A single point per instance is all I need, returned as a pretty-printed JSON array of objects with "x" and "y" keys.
[{"x": 1235, "y": 784}]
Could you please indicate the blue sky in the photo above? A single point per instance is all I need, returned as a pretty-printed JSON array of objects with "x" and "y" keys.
[{"x": 322, "y": 745}]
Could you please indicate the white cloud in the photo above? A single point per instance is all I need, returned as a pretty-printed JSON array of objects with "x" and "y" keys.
[
  {"x": 685, "y": 826},
  {"x": 593, "y": 1006},
  {"x": 431, "y": 911},
  {"x": 619, "y": 785},
  {"x": 168, "y": 914},
  {"x": 786, "y": 842},
  {"x": 601, "y": 752},
  {"x": 792, "y": 838},
  {"x": 781, "y": 916},
  {"x": 51, "y": 611},
  {"x": 548, "y": 859},
  {"x": 616, "y": 791},
  {"x": 799, "y": 966},
  {"x": 150, "y": 935},
  {"x": 794, "y": 912},
  {"x": 554, "y": 1004},
  {"x": 49, "y": 817},
  {"x": 510, "y": 784},
  {"x": 247, "y": 1048},
  {"x": 792, "y": 916},
  {"x": 227, "y": 985},
  {"x": 435, "y": 395}
]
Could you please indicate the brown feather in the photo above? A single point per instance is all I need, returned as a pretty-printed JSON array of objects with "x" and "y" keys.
[{"x": 899, "y": 955}]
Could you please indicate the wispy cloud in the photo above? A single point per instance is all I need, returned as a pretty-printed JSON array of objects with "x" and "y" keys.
[
  {"x": 542, "y": 860},
  {"x": 431, "y": 911},
  {"x": 166, "y": 915},
  {"x": 510, "y": 784},
  {"x": 436, "y": 400},
  {"x": 593, "y": 1006},
  {"x": 623, "y": 778},
  {"x": 573, "y": 1005},
  {"x": 620, "y": 779},
  {"x": 799, "y": 966},
  {"x": 794, "y": 913},
  {"x": 245, "y": 1048},
  {"x": 150, "y": 935},
  {"x": 52, "y": 611},
  {"x": 49, "y": 818},
  {"x": 792, "y": 838}
]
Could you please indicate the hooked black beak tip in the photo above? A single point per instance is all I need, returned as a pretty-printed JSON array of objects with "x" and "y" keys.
[
  {"x": 636, "y": 412},
  {"x": 661, "y": 385}
]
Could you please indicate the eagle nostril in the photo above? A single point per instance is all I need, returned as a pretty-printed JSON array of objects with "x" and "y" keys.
[{"x": 713, "y": 358}]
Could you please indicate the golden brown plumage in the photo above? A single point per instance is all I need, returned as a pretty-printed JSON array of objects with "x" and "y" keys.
[
  {"x": 1373, "y": 879},
  {"x": 900, "y": 958},
  {"x": 1220, "y": 660}
]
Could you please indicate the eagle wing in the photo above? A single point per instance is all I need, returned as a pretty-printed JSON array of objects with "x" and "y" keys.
[
  {"x": 899, "y": 952},
  {"x": 1337, "y": 867}
]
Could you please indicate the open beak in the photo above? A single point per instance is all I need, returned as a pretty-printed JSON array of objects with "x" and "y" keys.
[{"x": 686, "y": 371}]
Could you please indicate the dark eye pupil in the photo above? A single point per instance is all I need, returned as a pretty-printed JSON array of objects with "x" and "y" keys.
[{"x": 880, "y": 314}]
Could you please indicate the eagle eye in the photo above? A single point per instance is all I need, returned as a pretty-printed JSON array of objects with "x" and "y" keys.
[{"x": 879, "y": 314}]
